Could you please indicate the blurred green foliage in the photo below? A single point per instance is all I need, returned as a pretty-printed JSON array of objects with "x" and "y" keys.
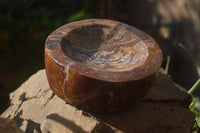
[{"x": 24, "y": 26}]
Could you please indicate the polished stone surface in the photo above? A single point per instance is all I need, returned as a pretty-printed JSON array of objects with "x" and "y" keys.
[{"x": 101, "y": 65}]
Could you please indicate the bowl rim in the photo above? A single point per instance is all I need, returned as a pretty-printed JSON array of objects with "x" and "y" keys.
[{"x": 53, "y": 47}]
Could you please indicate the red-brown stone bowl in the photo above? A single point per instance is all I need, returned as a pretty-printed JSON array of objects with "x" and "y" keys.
[{"x": 101, "y": 65}]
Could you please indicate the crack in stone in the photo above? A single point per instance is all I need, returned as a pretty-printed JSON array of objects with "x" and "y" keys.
[
  {"x": 36, "y": 97},
  {"x": 23, "y": 99},
  {"x": 47, "y": 101}
]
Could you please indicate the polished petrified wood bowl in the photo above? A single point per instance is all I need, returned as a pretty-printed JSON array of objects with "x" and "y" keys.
[{"x": 101, "y": 65}]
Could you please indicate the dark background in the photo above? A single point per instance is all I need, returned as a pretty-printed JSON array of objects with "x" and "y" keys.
[{"x": 25, "y": 24}]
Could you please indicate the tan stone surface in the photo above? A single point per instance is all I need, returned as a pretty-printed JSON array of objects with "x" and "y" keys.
[{"x": 36, "y": 109}]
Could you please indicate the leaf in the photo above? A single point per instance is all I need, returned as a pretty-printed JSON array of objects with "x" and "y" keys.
[{"x": 79, "y": 15}]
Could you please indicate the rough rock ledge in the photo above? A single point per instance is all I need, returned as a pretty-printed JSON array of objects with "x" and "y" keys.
[{"x": 163, "y": 109}]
